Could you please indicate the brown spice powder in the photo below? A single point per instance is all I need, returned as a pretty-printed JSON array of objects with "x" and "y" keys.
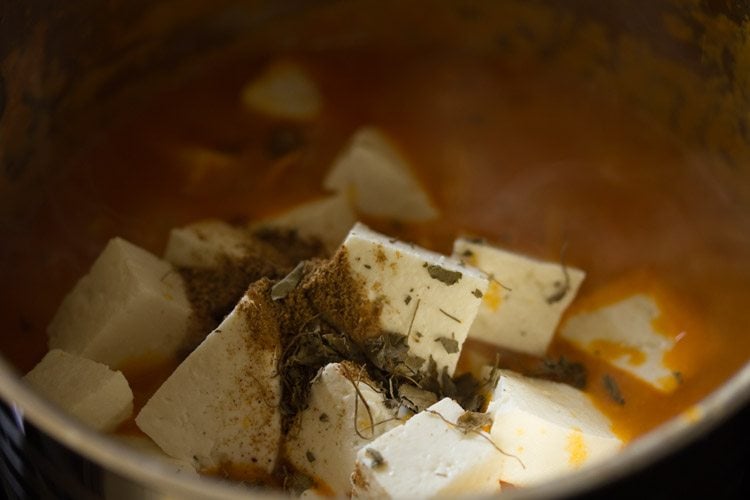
[
  {"x": 213, "y": 292},
  {"x": 341, "y": 299}
]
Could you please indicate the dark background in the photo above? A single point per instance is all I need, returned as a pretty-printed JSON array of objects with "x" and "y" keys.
[{"x": 716, "y": 466}]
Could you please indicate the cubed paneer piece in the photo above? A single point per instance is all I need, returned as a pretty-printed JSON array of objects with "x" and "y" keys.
[
  {"x": 283, "y": 90},
  {"x": 205, "y": 243},
  {"x": 328, "y": 219},
  {"x": 90, "y": 391},
  {"x": 428, "y": 457},
  {"x": 525, "y": 298},
  {"x": 379, "y": 179},
  {"x": 625, "y": 335},
  {"x": 323, "y": 441},
  {"x": 131, "y": 305},
  {"x": 546, "y": 428},
  {"x": 220, "y": 407},
  {"x": 429, "y": 298}
]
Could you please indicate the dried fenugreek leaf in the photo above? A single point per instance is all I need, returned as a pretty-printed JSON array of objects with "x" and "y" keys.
[
  {"x": 376, "y": 458},
  {"x": 613, "y": 390},
  {"x": 443, "y": 275},
  {"x": 447, "y": 386},
  {"x": 414, "y": 363},
  {"x": 284, "y": 287},
  {"x": 416, "y": 399},
  {"x": 469, "y": 392},
  {"x": 388, "y": 352},
  {"x": 450, "y": 345},
  {"x": 429, "y": 377},
  {"x": 342, "y": 345},
  {"x": 563, "y": 370}
]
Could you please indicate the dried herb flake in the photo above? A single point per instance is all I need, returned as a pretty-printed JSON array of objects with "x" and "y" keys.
[
  {"x": 450, "y": 345},
  {"x": 443, "y": 275},
  {"x": 376, "y": 457},
  {"x": 563, "y": 370},
  {"x": 284, "y": 287},
  {"x": 613, "y": 390}
]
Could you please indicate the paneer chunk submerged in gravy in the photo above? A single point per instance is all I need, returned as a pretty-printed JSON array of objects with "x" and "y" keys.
[{"x": 313, "y": 347}]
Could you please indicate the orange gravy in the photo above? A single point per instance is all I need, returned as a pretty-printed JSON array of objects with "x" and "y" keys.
[{"x": 530, "y": 160}]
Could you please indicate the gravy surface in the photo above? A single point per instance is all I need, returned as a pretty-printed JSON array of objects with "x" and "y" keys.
[{"x": 529, "y": 159}]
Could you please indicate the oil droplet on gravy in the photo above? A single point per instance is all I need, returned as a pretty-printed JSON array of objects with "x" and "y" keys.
[{"x": 528, "y": 160}]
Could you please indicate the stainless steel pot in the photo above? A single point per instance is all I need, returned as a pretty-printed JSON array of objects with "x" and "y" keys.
[{"x": 61, "y": 62}]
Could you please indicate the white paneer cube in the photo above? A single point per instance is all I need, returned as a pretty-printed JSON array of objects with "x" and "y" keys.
[
  {"x": 624, "y": 334},
  {"x": 430, "y": 298},
  {"x": 379, "y": 179},
  {"x": 206, "y": 243},
  {"x": 283, "y": 90},
  {"x": 328, "y": 219},
  {"x": 547, "y": 429},
  {"x": 130, "y": 305},
  {"x": 427, "y": 458},
  {"x": 525, "y": 298},
  {"x": 220, "y": 407},
  {"x": 323, "y": 441},
  {"x": 88, "y": 390}
]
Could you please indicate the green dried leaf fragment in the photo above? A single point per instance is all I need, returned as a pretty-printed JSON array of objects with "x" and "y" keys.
[
  {"x": 414, "y": 362},
  {"x": 416, "y": 399},
  {"x": 613, "y": 390},
  {"x": 447, "y": 314},
  {"x": 470, "y": 392},
  {"x": 477, "y": 293},
  {"x": 284, "y": 287},
  {"x": 447, "y": 385},
  {"x": 388, "y": 352},
  {"x": 342, "y": 345},
  {"x": 376, "y": 458},
  {"x": 471, "y": 421},
  {"x": 443, "y": 275},
  {"x": 450, "y": 345},
  {"x": 563, "y": 370}
]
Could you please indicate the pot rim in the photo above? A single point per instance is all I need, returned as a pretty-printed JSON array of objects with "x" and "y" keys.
[{"x": 156, "y": 475}]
